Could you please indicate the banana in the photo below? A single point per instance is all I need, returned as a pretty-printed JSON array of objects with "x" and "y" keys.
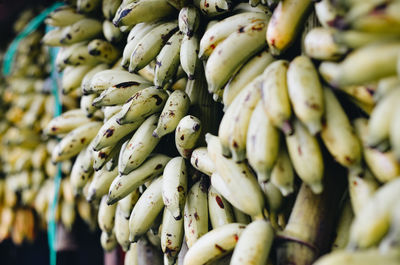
[
  {"x": 219, "y": 210},
  {"x": 384, "y": 166},
  {"x": 111, "y": 132},
  {"x": 167, "y": 61},
  {"x": 214, "y": 244},
  {"x": 68, "y": 214},
  {"x": 384, "y": 86},
  {"x": 66, "y": 122},
  {"x": 381, "y": 119},
  {"x": 232, "y": 52},
  {"x": 175, "y": 109},
  {"x": 188, "y": 54},
  {"x": 306, "y": 156},
  {"x": 110, "y": 7},
  {"x": 195, "y": 218},
  {"x": 238, "y": 179},
  {"x": 372, "y": 222},
  {"x": 146, "y": 210},
  {"x": 87, "y": 6},
  {"x": 139, "y": 146},
  {"x": 108, "y": 241},
  {"x": 282, "y": 174},
  {"x": 394, "y": 134},
  {"x": 338, "y": 134},
  {"x": 121, "y": 229},
  {"x": 74, "y": 55},
  {"x": 326, "y": 13},
  {"x": 254, "y": 244},
  {"x": 142, "y": 104},
  {"x": 82, "y": 169},
  {"x": 63, "y": 16},
  {"x": 131, "y": 256},
  {"x": 102, "y": 156},
  {"x": 75, "y": 141},
  {"x": 126, "y": 204},
  {"x": 174, "y": 187},
  {"x": 188, "y": 20},
  {"x": 86, "y": 105},
  {"x": 124, "y": 184},
  {"x": 357, "y": 39},
  {"x": 364, "y": 94},
  {"x": 262, "y": 143},
  {"x": 363, "y": 65},
  {"x": 234, "y": 124},
  {"x": 53, "y": 37},
  {"x": 391, "y": 240},
  {"x": 72, "y": 77},
  {"x": 143, "y": 11},
  {"x": 367, "y": 257},
  {"x": 106, "y": 215},
  {"x": 110, "y": 111},
  {"x": 119, "y": 93},
  {"x": 319, "y": 44},
  {"x": 250, "y": 70},
  {"x": 103, "y": 51},
  {"x": 343, "y": 227},
  {"x": 240, "y": 216},
  {"x": 150, "y": 45},
  {"x": 85, "y": 84},
  {"x": 100, "y": 183},
  {"x": 285, "y": 23},
  {"x": 305, "y": 93},
  {"x": 201, "y": 161},
  {"x": 220, "y": 30},
  {"x": 135, "y": 35},
  {"x": 187, "y": 134},
  {"x": 171, "y": 236},
  {"x": 82, "y": 30},
  {"x": 361, "y": 188},
  {"x": 111, "y": 33},
  {"x": 108, "y": 78}
]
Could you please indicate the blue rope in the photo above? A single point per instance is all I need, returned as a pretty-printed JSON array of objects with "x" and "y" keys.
[{"x": 31, "y": 27}]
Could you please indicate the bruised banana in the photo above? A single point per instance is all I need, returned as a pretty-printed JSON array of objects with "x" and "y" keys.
[
  {"x": 110, "y": 7},
  {"x": 100, "y": 183},
  {"x": 111, "y": 33},
  {"x": 82, "y": 169},
  {"x": 171, "y": 236},
  {"x": 201, "y": 161},
  {"x": 219, "y": 210},
  {"x": 103, "y": 51},
  {"x": 188, "y": 54},
  {"x": 82, "y": 30},
  {"x": 319, "y": 44},
  {"x": 174, "y": 186},
  {"x": 189, "y": 20},
  {"x": 187, "y": 134},
  {"x": 85, "y": 84},
  {"x": 66, "y": 122},
  {"x": 122, "y": 185}
]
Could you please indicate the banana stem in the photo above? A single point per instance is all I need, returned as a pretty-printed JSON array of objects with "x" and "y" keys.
[{"x": 308, "y": 233}]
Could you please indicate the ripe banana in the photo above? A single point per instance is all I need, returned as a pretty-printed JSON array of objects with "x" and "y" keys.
[
  {"x": 85, "y": 84},
  {"x": 111, "y": 33},
  {"x": 100, "y": 183},
  {"x": 361, "y": 189},
  {"x": 75, "y": 141},
  {"x": 108, "y": 78},
  {"x": 142, "y": 104},
  {"x": 195, "y": 218},
  {"x": 219, "y": 31},
  {"x": 187, "y": 134},
  {"x": 305, "y": 93},
  {"x": 175, "y": 109},
  {"x": 214, "y": 7},
  {"x": 285, "y": 23},
  {"x": 174, "y": 187},
  {"x": 201, "y": 161},
  {"x": 254, "y": 244},
  {"x": 171, "y": 236},
  {"x": 72, "y": 77},
  {"x": 363, "y": 65},
  {"x": 372, "y": 222},
  {"x": 238, "y": 179},
  {"x": 306, "y": 156},
  {"x": 338, "y": 134},
  {"x": 82, "y": 30},
  {"x": 150, "y": 45},
  {"x": 167, "y": 61},
  {"x": 250, "y": 70},
  {"x": 63, "y": 16},
  {"x": 234, "y": 124},
  {"x": 82, "y": 169},
  {"x": 125, "y": 184},
  {"x": 189, "y": 20},
  {"x": 214, "y": 244},
  {"x": 103, "y": 51},
  {"x": 262, "y": 144},
  {"x": 188, "y": 54},
  {"x": 66, "y": 122},
  {"x": 75, "y": 54},
  {"x": 106, "y": 215},
  {"x": 139, "y": 146},
  {"x": 219, "y": 210},
  {"x": 102, "y": 156},
  {"x": 282, "y": 175},
  {"x": 326, "y": 13},
  {"x": 143, "y": 11},
  {"x": 232, "y": 52},
  {"x": 111, "y": 132},
  {"x": 121, "y": 229},
  {"x": 108, "y": 241},
  {"x": 146, "y": 210},
  {"x": 126, "y": 204}
]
